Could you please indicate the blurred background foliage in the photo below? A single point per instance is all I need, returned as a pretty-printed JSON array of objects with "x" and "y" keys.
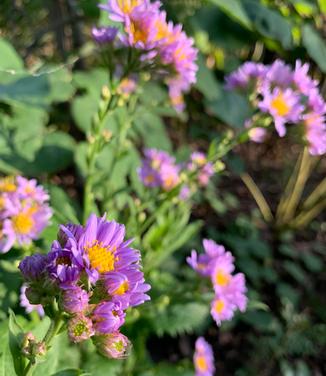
[{"x": 51, "y": 77}]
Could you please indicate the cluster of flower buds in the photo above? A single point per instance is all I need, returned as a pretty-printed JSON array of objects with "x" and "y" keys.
[
  {"x": 230, "y": 289},
  {"x": 94, "y": 276},
  {"x": 159, "y": 169},
  {"x": 159, "y": 42},
  {"x": 287, "y": 96},
  {"x": 31, "y": 347},
  {"x": 24, "y": 211},
  {"x": 203, "y": 358}
]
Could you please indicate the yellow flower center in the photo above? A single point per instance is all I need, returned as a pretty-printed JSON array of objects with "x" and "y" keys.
[
  {"x": 127, "y": 5},
  {"x": 149, "y": 179},
  {"x": 169, "y": 182},
  {"x": 201, "y": 363},
  {"x": 139, "y": 33},
  {"x": 279, "y": 105},
  {"x": 219, "y": 305},
  {"x": 221, "y": 278},
  {"x": 7, "y": 184},
  {"x": 101, "y": 257},
  {"x": 23, "y": 223},
  {"x": 122, "y": 288},
  {"x": 2, "y": 202},
  {"x": 118, "y": 345}
]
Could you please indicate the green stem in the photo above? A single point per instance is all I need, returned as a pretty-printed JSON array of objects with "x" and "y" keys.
[
  {"x": 292, "y": 202},
  {"x": 258, "y": 196}
]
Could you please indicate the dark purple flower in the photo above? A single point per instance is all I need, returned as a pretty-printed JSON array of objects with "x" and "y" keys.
[
  {"x": 33, "y": 267},
  {"x": 104, "y": 34}
]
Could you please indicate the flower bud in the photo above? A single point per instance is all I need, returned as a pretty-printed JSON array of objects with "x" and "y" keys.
[
  {"x": 114, "y": 345},
  {"x": 74, "y": 299},
  {"x": 80, "y": 328},
  {"x": 32, "y": 267}
]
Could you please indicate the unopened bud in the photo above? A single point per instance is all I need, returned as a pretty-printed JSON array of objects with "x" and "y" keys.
[
  {"x": 107, "y": 135},
  {"x": 106, "y": 94},
  {"x": 114, "y": 345}
]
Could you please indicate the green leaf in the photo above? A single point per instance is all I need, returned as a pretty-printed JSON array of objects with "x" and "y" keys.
[
  {"x": 6, "y": 360},
  {"x": 315, "y": 45},
  {"x": 48, "y": 364},
  {"x": 206, "y": 83},
  {"x": 10, "y": 60},
  {"x": 269, "y": 23},
  {"x": 232, "y": 108},
  {"x": 180, "y": 318},
  {"x": 235, "y": 10},
  {"x": 15, "y": 338},
  {"x": 65, "y": 209},
  {"x": 55, "y": 154},
  {"x": 70, "y": 372}
]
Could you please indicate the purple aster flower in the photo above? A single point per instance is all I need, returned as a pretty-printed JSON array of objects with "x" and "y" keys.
[
  {"x": 80, "y": 328},
  {"x": 159, "y": 170},
  {"x": 24, "y": 212},
  {"x": 119, "y": 10},
  {"x": 33, "y": 267},
  {"x": 185, "y": 193},
  {"x": 279, "y": 74},
  {"x": 204, "y": 169},
  {"x": 315, "y": 132},
  {"x": 222, "y": 309},
  {"x": 107, "y": 317},
  {"x": 74, "y": 299},
  {"x": 113, "y": 346},
  {"x": 204, "y": 263},
  {"x": 127, "y": 287},
  {"x": 301, "y": 78},
  {"x": 103, "y": 35},
  {"x": 203, "y": 358},
  {"x": 221, "y": 273},
  {"x": 29, "y": 189},
  {"x": 242, "y": 77},
  {"x": 284, "y": 106},
  {"x": 24, "y": 302},
  {"x": 63, "y": 266}
]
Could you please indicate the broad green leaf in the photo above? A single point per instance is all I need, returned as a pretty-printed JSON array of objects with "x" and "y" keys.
[
  {"x": 55, "y": 154},
  {"x": 65, "y": 209},
  {"x": 232, "y": 108},
  {"x": 235, "y": 10},
  {"x": 10, "y": 61},
  {"x": 6, "y": 360},
  {"x": 15, "y": 338},
  {"x": 206, "y": 81},
  {"x": 269, "y": 23},
  {"x": 315, "y": 45}
]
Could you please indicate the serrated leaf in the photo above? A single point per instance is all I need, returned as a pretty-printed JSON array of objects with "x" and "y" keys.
[{"x": 180, "y": 318}]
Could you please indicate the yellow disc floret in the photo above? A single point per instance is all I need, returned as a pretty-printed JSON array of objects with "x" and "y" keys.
[
  {"x": 7, "y": 184},
  {"x": 219, "y": 306},
  {"x": 23, "y": 223},
  {"x": 101, "y": 257},
  {"x": 279, "y": 105},
  {"x": 201, "y": 363},
  {"x": 221, "y": 278},
  {"x": 122, "y": 288}
]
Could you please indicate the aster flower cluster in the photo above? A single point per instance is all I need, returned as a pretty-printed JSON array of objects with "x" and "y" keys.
[
  {"x": 230, "y": 289},
  {"x": 159, "y": 41},
  {"x": 288, "y": 96},
  {"x": 159, "y": 169},
  {"x": 94, "y": 276},
  {"x": 203, "y": 358},
  {"x": 24, "y": 211}
]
